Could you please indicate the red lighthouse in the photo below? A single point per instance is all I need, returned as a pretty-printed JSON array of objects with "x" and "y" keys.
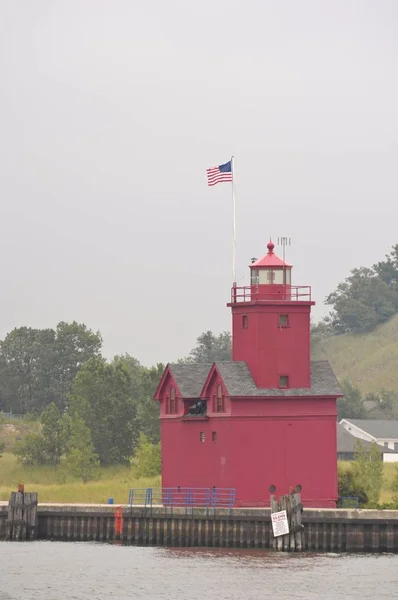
[{"x": 268, "y": 417}]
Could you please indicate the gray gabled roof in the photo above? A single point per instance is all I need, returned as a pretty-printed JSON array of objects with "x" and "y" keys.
[
  {"x": 239, "y": 382},
  {"x": 378, "y": 429},
  {"x": 347, "y": 442},
  {"x": 190, "y": 378}
]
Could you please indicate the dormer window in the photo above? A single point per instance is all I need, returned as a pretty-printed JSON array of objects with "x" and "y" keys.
[
  {"x": 172, "y": 400},
  {"x": 220, "y": 399}
]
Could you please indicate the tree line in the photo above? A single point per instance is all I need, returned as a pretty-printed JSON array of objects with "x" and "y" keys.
[
  {"x": 93, "y": 411},
  {"x": 366, "y": 298},
  {"x": 355, "y": 405}
]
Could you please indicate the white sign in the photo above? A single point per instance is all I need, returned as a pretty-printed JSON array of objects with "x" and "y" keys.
[{"x": 280, "y": 525}]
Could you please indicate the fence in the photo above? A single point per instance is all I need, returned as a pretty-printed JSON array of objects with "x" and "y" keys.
[
  {"x": 9, "y": 415},
  {"x": 186, "y": 498}
]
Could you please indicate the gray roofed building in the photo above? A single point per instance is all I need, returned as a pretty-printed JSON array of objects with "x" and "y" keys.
[
  {"x": 346, "y": 445},
  {"x": 380, "y": 430},
  {"x": 190, "y": 378}
]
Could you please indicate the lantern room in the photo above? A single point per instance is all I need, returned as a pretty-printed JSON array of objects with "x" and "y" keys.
[{"x": 270, "y": 276}]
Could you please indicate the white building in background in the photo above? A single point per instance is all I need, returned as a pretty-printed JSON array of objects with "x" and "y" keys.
[{"x": 383, "y": 433}]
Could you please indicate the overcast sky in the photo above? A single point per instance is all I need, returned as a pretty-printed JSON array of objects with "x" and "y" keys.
[{"x": 110, "y": 113}]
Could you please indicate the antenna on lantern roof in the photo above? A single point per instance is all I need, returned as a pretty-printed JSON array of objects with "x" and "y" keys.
[{"x": 284, "y": 242}]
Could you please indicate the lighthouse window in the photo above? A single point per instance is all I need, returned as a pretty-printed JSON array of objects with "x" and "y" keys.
[
  {"x": 202, "y": 436},
  {"x": 266, "y": 276},
  {"x": 279, "y": 276},
  {"x": 245, "y": 321},
  {"x": 172, "y": 400},
  {"x": 283, "y": 381},
  {"x": 254, "y": 277},
  {"x": 283, "y": 320}
]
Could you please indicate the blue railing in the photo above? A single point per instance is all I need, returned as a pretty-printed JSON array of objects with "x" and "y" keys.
[
  {"x": 178, "y": 497},
  {"x": 348, "y": 502}
]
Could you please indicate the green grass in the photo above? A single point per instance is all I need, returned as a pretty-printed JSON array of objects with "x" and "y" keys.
[
  {"x": 54, "y": 484},
  {"x": 368, "y": 360}
]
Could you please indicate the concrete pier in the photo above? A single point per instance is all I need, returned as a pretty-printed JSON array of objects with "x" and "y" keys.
[{"x": 325, "y": 530}]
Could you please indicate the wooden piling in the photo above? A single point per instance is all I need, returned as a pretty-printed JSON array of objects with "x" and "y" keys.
[
  {"x": 292, "y": 541},
  {"x": 22, "y": 518}
]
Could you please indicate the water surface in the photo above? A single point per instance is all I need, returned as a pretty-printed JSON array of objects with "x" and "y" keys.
[{"x": 82, "y": 571}]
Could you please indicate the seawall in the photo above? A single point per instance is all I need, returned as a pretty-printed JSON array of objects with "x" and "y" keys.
[{"x": 325, "y": 530}]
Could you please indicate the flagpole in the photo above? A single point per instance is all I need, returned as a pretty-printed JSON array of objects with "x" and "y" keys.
[{"x": 233, "y": 222}]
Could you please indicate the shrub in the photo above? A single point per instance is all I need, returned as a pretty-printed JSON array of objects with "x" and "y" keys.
[
  {"x": 31, "y": 450},
  {"x": 147, "y": 458},
  {"x": 368, "y": 470},
  {"x": 349, "y": 487}
]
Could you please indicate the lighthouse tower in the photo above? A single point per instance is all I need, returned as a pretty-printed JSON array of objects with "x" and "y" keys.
[
  {"x": 266, "y": 418},
  {"x": 271, "y": 325}
]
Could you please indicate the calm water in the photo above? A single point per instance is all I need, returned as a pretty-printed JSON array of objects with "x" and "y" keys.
[{"x": 79, "y": 571}]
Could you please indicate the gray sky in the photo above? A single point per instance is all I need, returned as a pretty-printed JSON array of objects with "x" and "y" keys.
[{"x": 110, "y": 112}]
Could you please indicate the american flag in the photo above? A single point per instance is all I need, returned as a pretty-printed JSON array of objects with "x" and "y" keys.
[{"x": 219, "y": 174}]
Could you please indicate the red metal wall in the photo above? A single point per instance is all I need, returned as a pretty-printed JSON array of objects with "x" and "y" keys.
[
  {"x": 294, "y": 444},
  {"x": 270, "y": 350}
]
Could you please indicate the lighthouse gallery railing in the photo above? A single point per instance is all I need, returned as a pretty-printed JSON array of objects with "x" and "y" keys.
[{"x": 256, "y": 293}]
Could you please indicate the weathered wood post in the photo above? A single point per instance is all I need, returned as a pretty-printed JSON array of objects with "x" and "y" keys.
[
  {"x": 286, "y": 521},
  {"x": 22, "y": 515}
]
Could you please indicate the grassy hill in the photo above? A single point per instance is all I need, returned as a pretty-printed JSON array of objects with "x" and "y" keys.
[
  {"x": 13, "y": 430},
  {"x": 369, "y": 361}
]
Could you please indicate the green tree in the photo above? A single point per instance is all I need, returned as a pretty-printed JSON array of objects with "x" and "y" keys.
[
  {"x": 48, "y": 446},
  {"x": 394, "y": 485},
  {"x": 101, "y": 397},
  {"x": 387, "y": 401},
  {"x": 31, "y": 450},
  {"x": 37, "y": 366},
  {"x": 361, "y": 302},
  {"x": 25, "y": 362},
  {"x": 55, "y": 433},
  {"x": 348, "y": 487},
  {"x": 211, "y": 348},
  {"x": 75, "y": 344},
  {"x": 144, "y": 382},
  {"x": 2, "y": 444},
  {"x": 368, "y": 470},
  {"x": 147, "y": 458},
  {"x": 81, "y": 457},
  {"x": 351, "y": 405},
  {"x": 387, "y": 270}
]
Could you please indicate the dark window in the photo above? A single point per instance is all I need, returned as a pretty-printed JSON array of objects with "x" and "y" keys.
[
  {"x": 283, "y": 381},
  {"x": 220, "y": 399},
  {"x": 202, "y": 436},
  {"x": 245, "y": 321},
  {"x": 172, "y": 400},
  {"x": 283, "y": 320},
  {"x": 167, "y": 405},
  {"x": 214, "y": 436}
]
